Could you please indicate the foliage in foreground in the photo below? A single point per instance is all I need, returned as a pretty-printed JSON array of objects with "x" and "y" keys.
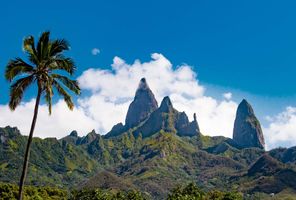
[
  {"x": 98, "y": 194},
  {"x": 10, "y": 192},
  {"x": 192, "y": 192},
  {"x": 189, "y": 192}
]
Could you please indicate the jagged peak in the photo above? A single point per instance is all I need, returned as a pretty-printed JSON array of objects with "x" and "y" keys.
[
  {"x": 194, "y": 117},
  {"x": 143, "y": 85},
  {"x": 143, "y": 105},
  {"x": 91, "y": 136},
  {"x": 245, "y": 107},
  {"x": 247, "y": 130},
  {"x": 10, "y": 131},
  {"x": 74, "y": 133},
  {"x": 166, "y": 104},
  {"x": 93, "y": 132}
]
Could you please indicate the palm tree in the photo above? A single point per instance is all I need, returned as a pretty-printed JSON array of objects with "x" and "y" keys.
[{"x": 46, "y": 60}]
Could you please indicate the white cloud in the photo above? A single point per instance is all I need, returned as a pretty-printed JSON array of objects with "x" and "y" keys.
[
  {"x": 227, "y": 95},
  {"x": 60, "y": 123},
  {"x": 95, "y": 51},
  {"x": 113, "y": 90},
  {"x": 282, "y": 129}
]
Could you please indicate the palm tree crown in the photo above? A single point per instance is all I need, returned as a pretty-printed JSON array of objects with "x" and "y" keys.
[{"x": 46, "y": 61}]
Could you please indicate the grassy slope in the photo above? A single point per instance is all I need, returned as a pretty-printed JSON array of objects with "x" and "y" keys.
[{"x": 154, "y": 164}]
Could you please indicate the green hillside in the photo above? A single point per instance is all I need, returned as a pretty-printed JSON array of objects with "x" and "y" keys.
[{"x": 153, "y": 165}]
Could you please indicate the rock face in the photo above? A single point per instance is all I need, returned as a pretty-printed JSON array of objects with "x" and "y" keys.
[
  {"x": 74, "y": 134},
  {"x": 144, "y": 112},
  {"x": 186, "y": 128},
  {"x": 116, "y": 130},
  {"x": 8, "y": 133},
  {"x": 142, "y": 106},
  {"x": 168, "y": 119},
  {"x": 247, "y": 130},
  {"x": 90, "y": 137}
]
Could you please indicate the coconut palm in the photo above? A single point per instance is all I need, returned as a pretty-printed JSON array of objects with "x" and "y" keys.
[{"x": 46, "y": 61}]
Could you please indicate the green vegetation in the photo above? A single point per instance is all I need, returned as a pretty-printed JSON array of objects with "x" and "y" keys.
[
  {"x": 10, "y": 192},
  {"x": 153, "y": 165},
  {"x": 189, "y": 192},
  {"x": 46, "y": 61},
  {"x": 98, "y": 194},
  {"x": 192, "y": 192}
]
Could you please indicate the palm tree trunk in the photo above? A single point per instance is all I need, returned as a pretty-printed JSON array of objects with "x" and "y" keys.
[{"x": 27, "y": 153}]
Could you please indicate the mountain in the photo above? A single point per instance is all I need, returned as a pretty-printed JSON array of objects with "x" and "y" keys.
[
  {"x": 153, "y": 154},
  {"x": 285, "y": 155},
  {"x": 265, "y": 165},
  {"x": 153, "y": 164},
  {"x": 144, "y": 114},
  {"x": 52, "y": 162},
  {"x": 268, "y": 175},
  {"x": 168, "y": 119},
  {"x": 247, "y": 130},
  {"x": 142, "y": 106}
]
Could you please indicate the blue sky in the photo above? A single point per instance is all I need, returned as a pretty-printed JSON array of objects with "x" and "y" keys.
[{"x": 247, "y": 47}]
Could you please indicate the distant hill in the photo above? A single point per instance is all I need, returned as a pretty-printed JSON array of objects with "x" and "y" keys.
[{"x": 155, "y": 151}]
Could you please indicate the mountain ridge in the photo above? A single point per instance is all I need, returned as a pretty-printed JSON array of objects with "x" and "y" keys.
[{"x": 155, "y": 155}]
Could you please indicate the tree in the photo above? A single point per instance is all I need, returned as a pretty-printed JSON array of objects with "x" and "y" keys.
[
  {"x": 190, "y": 192},
  {"x": 46, "y": 60}
]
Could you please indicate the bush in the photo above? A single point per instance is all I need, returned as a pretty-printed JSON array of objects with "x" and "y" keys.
[
  {"x": 192, "y": 192},
  {"x": 189, "y": 192},
  {"x": 10, "y": 192},
  {"x": 98, "y": 194}
]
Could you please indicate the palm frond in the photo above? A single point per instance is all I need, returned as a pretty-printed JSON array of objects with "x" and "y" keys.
[
  {"x": 70, "y": 84},
  {"x": 58, "y": 46},
  {"x": 46, "y": 57},
  {"x": 17, "y": 90},
  {"x": 61, "y": 63},
  {"x": 17, "y": 67},
  {"x": 29, "y": 47},
  {"x": 42, "y": 46},
  {"x": 66, "y": 96}
]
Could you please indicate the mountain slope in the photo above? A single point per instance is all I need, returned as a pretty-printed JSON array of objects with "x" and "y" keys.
[
  {"x": 167, "y": 118},
  {"x": 157, "y": 149}
]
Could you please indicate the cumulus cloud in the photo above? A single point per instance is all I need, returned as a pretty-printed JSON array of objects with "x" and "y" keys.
[
  {"x": 113, "y": 90},
  {"x": 227, "y": 95},
  {"x": 60, "y": 123},
  {"x": 95, "y": 51},
  {"x": 281, "y": 130}
]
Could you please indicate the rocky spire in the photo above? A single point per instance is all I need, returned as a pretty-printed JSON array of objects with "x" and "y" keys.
[
  {"x": 159, "y": 120},
  {"x": 247, "y": 130},
  {"x": 74, "y": 133},
  {"x": 168, "y": 119},
  {"x": 186, "y": 128},
  {"x": 166, "y": 105},
  {"x": 90, "y": 137},
  {"x": 142, "y": 106}
]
